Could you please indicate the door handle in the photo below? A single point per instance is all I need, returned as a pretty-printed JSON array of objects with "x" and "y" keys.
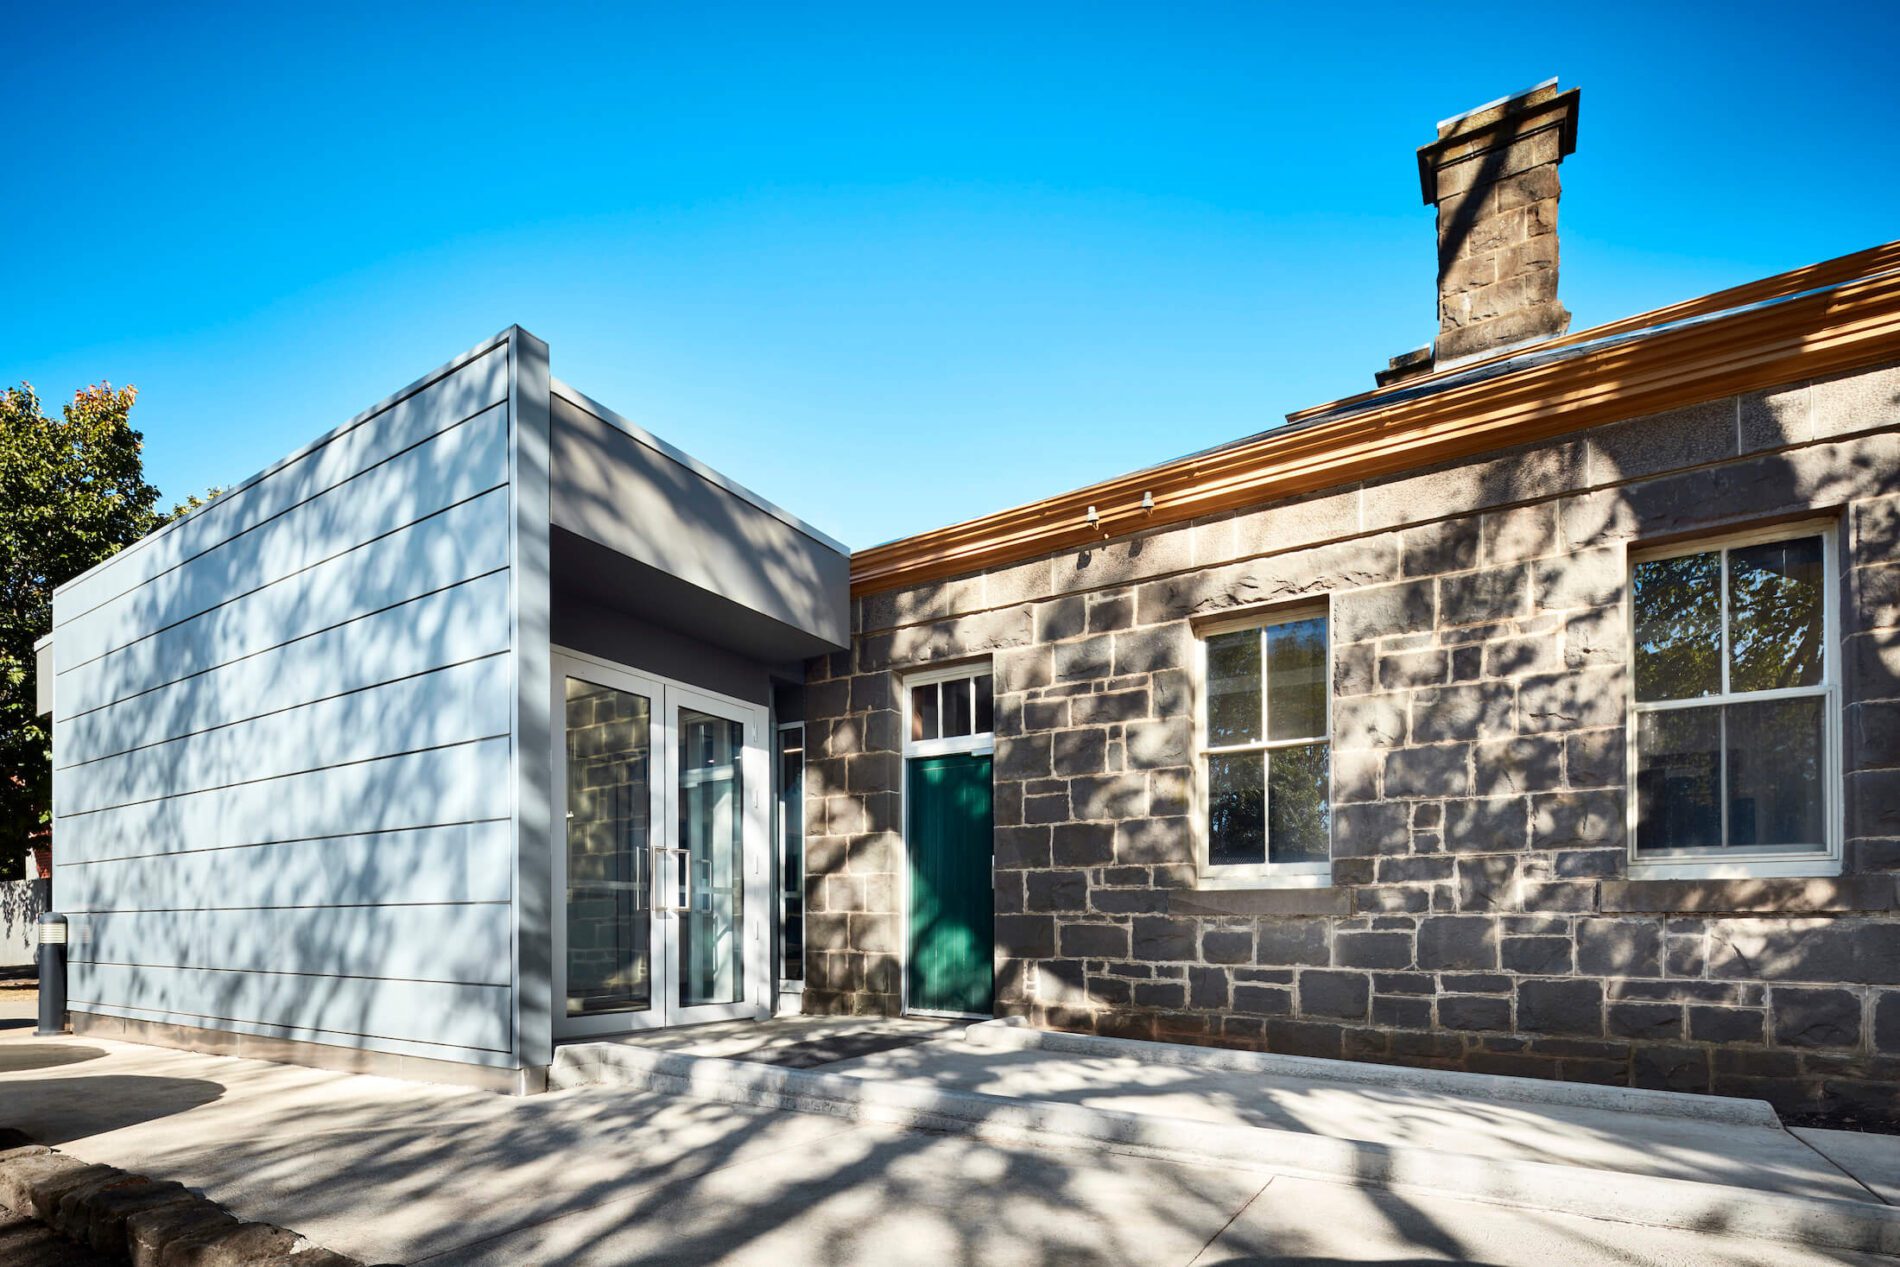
[{"x": 686, "y": 879}]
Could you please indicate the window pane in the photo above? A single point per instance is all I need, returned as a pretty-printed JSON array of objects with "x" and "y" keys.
[
  {"x": 1774, "y": 631},
  {"x": 985, "y": 706},
  {"x": 1678, "y": 765},
  {"x": 1296, "y": 679},
  {"x": 609, "y": 834},
  {"x": 956, "y": 707},
  {"x": 1678, "y": 606},
  {"x": 1236, "y": 809},
  {"x": 1774, "y": 773},
  {"x": 791, "y": 834},
  {"x": 923, "y": 712},
  {"x": 1297, "y": 814},
  {"x": 1233, "y": 688}
]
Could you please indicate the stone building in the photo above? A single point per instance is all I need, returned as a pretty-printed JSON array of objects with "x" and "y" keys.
[{"x": 1536, "y": 713}]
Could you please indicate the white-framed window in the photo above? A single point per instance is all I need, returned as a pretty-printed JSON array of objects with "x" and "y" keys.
[
  {"x": 949, "y": 710},
  {"x": 1264, "y": 761},
  {"x": 1734, "y": 749}
]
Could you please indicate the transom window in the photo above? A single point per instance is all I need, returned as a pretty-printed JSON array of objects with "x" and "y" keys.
[
  {"x": 1265, "y": 760},
  {"x": 949, "y": 710},
  {"x": 1733, "y": 680}
]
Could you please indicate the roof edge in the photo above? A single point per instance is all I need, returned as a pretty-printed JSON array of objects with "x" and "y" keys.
[{"x": 1837, "y": 315}]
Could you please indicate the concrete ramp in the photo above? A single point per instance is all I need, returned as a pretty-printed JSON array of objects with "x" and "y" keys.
[{"x": 1648, "y": 1158}]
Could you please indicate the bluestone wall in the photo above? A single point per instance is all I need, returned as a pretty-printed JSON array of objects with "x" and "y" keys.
[{"x": 284, "y": 791}]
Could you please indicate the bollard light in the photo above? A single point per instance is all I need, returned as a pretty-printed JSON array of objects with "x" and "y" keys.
[{"x": 52, "y": 962}]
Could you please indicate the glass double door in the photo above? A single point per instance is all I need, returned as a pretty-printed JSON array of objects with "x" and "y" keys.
[{"x": 660, "y": 853}]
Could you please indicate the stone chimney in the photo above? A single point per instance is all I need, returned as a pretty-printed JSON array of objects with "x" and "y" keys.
[{"x": 1492, "y": 174}]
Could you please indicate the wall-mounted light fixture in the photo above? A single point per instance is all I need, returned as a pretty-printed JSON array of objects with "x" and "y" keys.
[
  {"x": 1095, "y": 520},
  {"x": 1147, "y": 503}
]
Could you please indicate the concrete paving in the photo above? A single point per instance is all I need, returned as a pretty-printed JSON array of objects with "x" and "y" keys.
[
  {"x": 1667, "y": 1147},
  {"x": 410, "y": 1173},
  {"x": 1872, "y": 1159}
]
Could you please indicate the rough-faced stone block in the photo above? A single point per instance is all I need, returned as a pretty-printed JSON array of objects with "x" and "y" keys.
[
  {"x": 1459, "y": 942},
  {"x": 1488, "y": 884},
  {"x": 1481, "y": 710},
  {"x": 1488, "y": 825},
  {"x": 1725, "y": 1024},
  {"x": 1389, "y": 949},
  {"x": 1154, "y": 840},
  {"x": 1379, "y": 827},
  {"x": 1595, "y": 638},
  {"x": 1437, "y": 771},
  {"x": 1582, "y": 578},
  {"x": 1519, "y": 534},
  {"x": 1557, "y": 1006},
  {"x": 1471, "y": 598},
  {"x": 1079, "y": 751},
  {"x": 1585, "y": 700},
  {"x": 1619, "y": 948},
  {"x": 1056, "y": 890},
  {"x": 1159, "y": 939},
  {"x": 1263, "y": 1000},
  {"x": 1505, "y": 767},
  {"x": 1406, "y": 669},
  {"x": 1595, "y": 758},
  {"x": 1082, "y": 844},
  {"x": 1227, "y": 945},
  {"x": 1381, "y": 611},
  {"x": 1814, "y": 1018},
  {"x": 1292, "y": 942},
  {"x": 1814, "y": 950},
  {"x": 1430, "y": 549},
  {"x": 1369, "y": 721},
  {"x": 1537, "y": 955},
  {"x": 1511, "y": 657},
  {"x": 1086, "y": 660},
  {"x": 1568, "y": 820},
  {"x": 1467, "y": 1012},
  {"x": 1147, "y": 650},
  {"x": 1340, "y": 995},
  {"x": 1663, "y": 442},
  {"x": 1657, "y": 1021},
  {"x": 1094, "y": 941}
]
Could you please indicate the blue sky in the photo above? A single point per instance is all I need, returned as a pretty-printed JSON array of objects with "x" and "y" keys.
[{"x": 891, "y": 266}]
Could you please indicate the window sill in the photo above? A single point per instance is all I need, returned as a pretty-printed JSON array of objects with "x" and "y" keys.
[
  {"x": 1259, "y": 899},
  {"x": 1774, "y": 896}
]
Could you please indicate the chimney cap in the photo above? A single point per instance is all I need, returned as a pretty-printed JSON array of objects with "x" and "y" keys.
[{"x": 1496, "y": 124}]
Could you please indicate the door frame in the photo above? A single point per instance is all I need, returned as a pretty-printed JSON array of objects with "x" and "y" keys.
[
  {"x": 980, "y": 745},
  {"x": 665, "y": 698}
]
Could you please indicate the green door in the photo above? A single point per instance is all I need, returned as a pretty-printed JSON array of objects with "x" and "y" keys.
[{"x": 952, "y": 901}]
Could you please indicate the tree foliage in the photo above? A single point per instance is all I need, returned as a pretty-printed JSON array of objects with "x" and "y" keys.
[{"x": 72, "y": 492}]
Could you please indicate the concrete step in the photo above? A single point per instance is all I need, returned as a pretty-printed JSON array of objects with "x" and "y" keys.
[{"x": 1648, "y": 1200}]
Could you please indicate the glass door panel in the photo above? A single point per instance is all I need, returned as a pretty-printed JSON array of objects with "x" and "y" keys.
[
  {"x": 711, "y": 859},
  {"x": 609, "y": 850}
]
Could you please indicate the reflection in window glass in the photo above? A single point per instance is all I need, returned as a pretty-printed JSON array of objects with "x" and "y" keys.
[
  {"x": 1774, "y": 772},
  {"x": 1298, "y": 822},
  {"x": 609, "y": 831},
  {"x": 1296, "y": 679},
  {"x": 1236, "y": 809},
  {"x": 1233, "y": 688},
  {"x": 985, "y": 706},
  {"x": 1774, "y": 598},
  {"x": 956, "y": 707},
  {"x": 1678, "y": 606},
  {"x": 1737, "y": 771},
  {"x": 1678, "y": 773},
  {"x": 923, "y": 712},
  {"x": 1267, "y": 772}
]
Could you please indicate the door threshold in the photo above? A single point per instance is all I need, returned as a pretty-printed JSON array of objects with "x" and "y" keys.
[{"x": 932, "y": 1014}]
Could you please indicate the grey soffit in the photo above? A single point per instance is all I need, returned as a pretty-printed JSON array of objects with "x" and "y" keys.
[
  {"x": 693, "y": 464},
  {"x": 607, "y": 578}
]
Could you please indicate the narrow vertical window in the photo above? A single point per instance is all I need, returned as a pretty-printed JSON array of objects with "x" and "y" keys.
[
  {"x": 1732, "y": 730},
  {"x": 1265, "y": 753},
  {"x": 791, "y": 851}
]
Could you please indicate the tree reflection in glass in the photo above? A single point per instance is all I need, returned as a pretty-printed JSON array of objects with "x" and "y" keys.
[{"x": 1678, "y": 627}]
